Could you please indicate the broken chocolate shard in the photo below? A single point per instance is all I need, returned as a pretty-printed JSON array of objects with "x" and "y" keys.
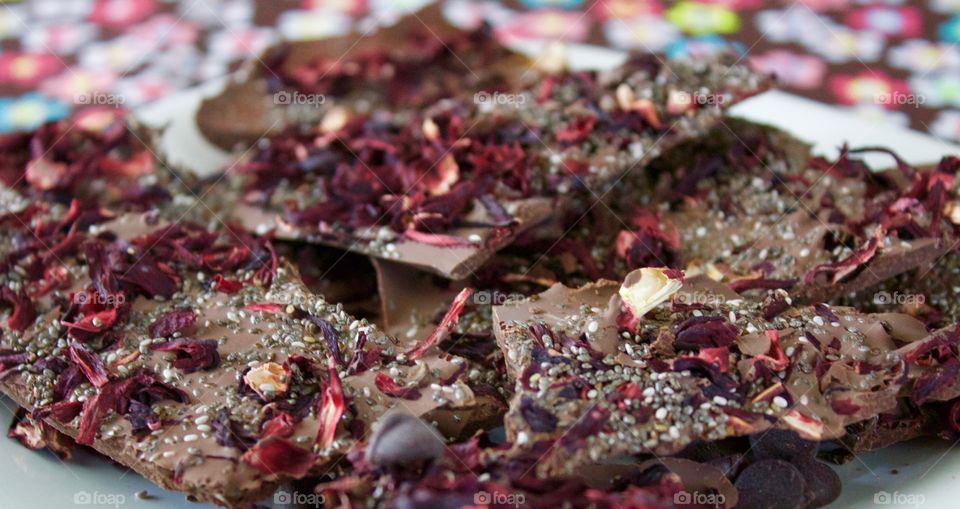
[{"x": 640, "y": 389}]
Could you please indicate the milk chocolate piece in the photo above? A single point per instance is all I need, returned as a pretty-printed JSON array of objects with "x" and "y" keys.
[
  {"x": 444, "y": 187},
  {"x": 762, "y": 219},
  {"x": 214, "y": 371},
  {"x": 594, "y": 382},
  {"x": 750, "y": 207},
  {"x": 413, "y": 63}
]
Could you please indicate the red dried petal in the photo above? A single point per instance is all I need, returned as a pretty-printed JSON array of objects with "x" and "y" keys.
[
  {"x": 281, "y": 425},
  {"x": 229, "y": 286},
  {"x": 775, "y": 359},
  {"x": 35, "y": 434},
  {"x": 438, "y": 240},
  {"x": 445, "y": 327},
  {"x": 391, "y": 388},
  {"x": 332, "y": 406},
  {"x": 192, "y": 354},
  {"x": 95, "y": 322},
  {"x": 23, "y": 312},
  {"x": 173, "y": 321},
  {"x": 276, "y": 456},
  {"x": 704, "y": 332},
  {"x": 62, "y": 411},
  {"x": 839, "y": 270},
  {"x": 90, "y": 364},
  {"x": 577, "y": 129},
  {"x": 116, "y": 395},
  {"x": 266, "y": 307},
  {"x": 928, "y": 384}
]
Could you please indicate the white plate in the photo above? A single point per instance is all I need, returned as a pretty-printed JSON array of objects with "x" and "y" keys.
[{"x": 927, "y": 469}]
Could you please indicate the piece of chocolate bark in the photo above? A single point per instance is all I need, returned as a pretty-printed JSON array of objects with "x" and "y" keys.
[
  {"x": 444, "y": 187},
  {"x": 200, "y": 360},
  {"x": 402, "y": 466},
  {"x": 649, "y": 366},
  {"x": 750, "y": 207},
  {"x": 413, "y": 63}
]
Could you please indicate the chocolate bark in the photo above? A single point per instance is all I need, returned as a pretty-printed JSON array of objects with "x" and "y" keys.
[
  {"x": 593, "y": 382},
  {"x": 444, "y": 187},
  {"x": 750, "y": 207},
  {"x": 215, "y": 371},
  {"x": 413, "y": 63}
]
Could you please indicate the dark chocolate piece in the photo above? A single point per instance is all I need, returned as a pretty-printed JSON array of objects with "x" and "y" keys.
[{"x": 771, "y": 484}]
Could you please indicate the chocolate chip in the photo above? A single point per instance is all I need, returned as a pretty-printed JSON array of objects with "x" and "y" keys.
[
  {"x": 730, "y": 465},
  {"x": 822, "y": 483},
  {"x": 400, "y": 438},
  {"x": 770, "y": 484},
  {"x": 781, "y": 444}
]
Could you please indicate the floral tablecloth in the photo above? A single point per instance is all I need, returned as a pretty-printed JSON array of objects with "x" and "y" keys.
[{"x": 890, "y": 60}]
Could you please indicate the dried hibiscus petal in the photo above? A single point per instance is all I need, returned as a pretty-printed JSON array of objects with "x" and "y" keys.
[
  {"x": 90, "y": 365},
  {"x": 35, "y": 434},
  {"x": 280, "y": 425},
  {"x": 230, "y": 433},
  {"x": 538, "y": 418},
  {"x": 192, "y": 354},
  {"x": 445, "y": 327},
  {"x": 437, "y": 239},
  {"x": 266, "y": 307},
  {"x": 62, "y": 411},
  {"x": 704, "y": 332},
  {"x": 332, "y": 406},
  {"x": 391, "y": 388},
  {"x": 330, "y": 335},
  {"x": 276, "y": 456},
  {"x": 841, "y": 269},
  {"x": 928, "y": 384},
  {"x": 23, "y": 311},
  {"x": 94, "y": 322},
  {"x": 116, "y": 396},
  {"x": 10, "y": 359},
  {"x": 229, "y": 286},
  {"x": 173, "y": 321}
]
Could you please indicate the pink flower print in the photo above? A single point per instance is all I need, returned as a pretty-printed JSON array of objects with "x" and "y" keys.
[
  {"x": 121, "y": 13},
  {"x": 27, "y": 69},
  {"x": 546, "y": 24},
  {"x": 793, "y": 69},
  {"x": 887, "y": 19}
]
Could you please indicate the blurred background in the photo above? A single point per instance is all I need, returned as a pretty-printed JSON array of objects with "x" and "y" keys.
[{"x": 889, "y": 60}]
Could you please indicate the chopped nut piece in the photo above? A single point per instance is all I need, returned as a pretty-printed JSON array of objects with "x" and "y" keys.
[
  {"x": 644, "y": 289},
  {"x": 265, "y": 377}
]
